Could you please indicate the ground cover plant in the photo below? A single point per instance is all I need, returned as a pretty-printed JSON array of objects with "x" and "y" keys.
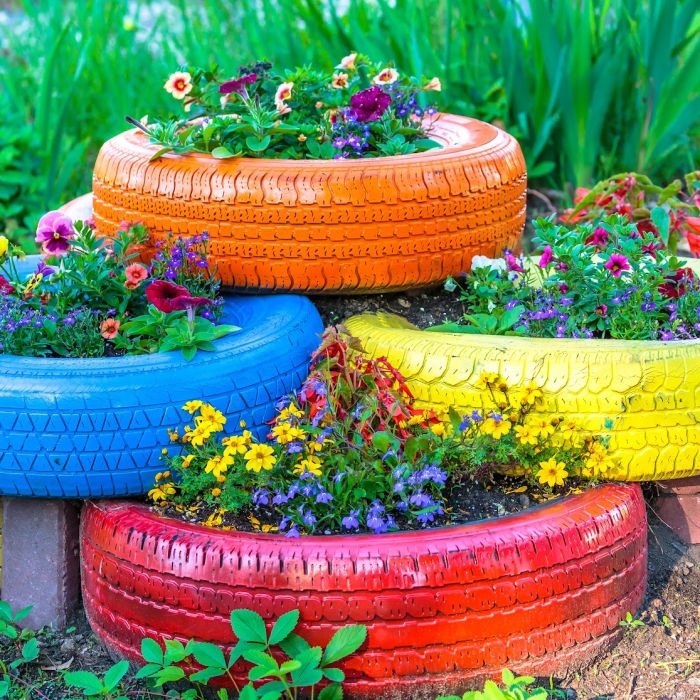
[
  {"x": 90, "y": 296},
  {"x": 359, "y": 109},
  {"x": 349, "y": 452},
  {"x": 615, "y": 279}
]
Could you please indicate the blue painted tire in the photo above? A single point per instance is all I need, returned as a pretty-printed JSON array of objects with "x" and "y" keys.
[{"x": 77, "y": 428}]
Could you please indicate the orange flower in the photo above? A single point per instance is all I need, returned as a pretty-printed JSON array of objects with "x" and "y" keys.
[
  {"x": 693, "y": 222},
  {"x": 109, "y": 328},
  {"x": 135, "y": 274}
]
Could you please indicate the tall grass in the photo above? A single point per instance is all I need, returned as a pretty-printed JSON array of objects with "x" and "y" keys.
[{"x": 589, "y": 87}]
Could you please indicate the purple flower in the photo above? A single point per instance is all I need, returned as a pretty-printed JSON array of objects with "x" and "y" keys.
[
  {"x": 55, "y": 232},
  {"x": 350, "y": 522},
  {"x": 238, "y": 85},
  {"x": 370, "y": 104},
  {"x": 324, "y": 497}
]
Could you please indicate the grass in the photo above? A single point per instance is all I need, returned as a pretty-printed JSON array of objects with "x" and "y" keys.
[{"x": 588, "y": 87}]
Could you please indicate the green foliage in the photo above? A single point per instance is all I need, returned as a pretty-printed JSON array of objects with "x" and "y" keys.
[
  {"x": 630, "y": 622},
  {"x": 513, "y": 689}
]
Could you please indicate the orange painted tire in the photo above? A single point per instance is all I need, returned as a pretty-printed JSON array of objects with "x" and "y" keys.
[
  {"x": 540, "y": 592},
  {"x": 366, "y": 225}
]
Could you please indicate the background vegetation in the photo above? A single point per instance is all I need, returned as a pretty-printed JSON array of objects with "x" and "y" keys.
[{"x": 589, "y": 87}]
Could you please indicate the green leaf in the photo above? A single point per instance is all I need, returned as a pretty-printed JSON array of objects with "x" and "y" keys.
[
  {"x": 344, "y": 642},
  {"x": 509, "y": 318},
  {"x": 331, "y": 692},
  {"x": 222, "y": 152},
  {"x": 334, "y": 674},
  {"x": 147, "y": 670},
  {"x": 151, "y": 651},
  {"x": 30, "y": 650},
  {"x": 284, "y": 626},
  {"x": 256, "y": 144},
  {"x": 174, "y": 651},
  {"x": 189, "y": 351},
  {"x": 308, "y": 672},
  {"x": 290, "y": 666},
  {"x": 115, "y": 673},
  {"x": 209, "y": 655},
  {"x": 381, "y": 441},
  {"x": 248, "y": 626},
  {"x": 294, "y": 645},
  {"x": 426, "y": 144},
  {"x": 169, "y": 674},
  {"x": 207, "y": 674},
  {"x": 662, "y": 220},
  {"x": 248, "y": 693},
  {"x": 86, "y": 680},
  {"x": 21, "y": 614},
  {"x": 160, "y": 152}
]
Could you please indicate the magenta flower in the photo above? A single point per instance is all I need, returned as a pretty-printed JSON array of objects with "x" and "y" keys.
[
  {"x": 513, "y": 264},
  {"x": 163, "y": 294},
  {"x": 546, "y": 258},
  {"x": 370, "y": 104},
  {"x": 598, "y": 238},
  {"x": 54, "y": 233},
  {"x": 186, "y": 302},
  {"x": 238, "y": 85},
  {"x": 5, "y": 286},
  {"x": 617, "y": 264}
]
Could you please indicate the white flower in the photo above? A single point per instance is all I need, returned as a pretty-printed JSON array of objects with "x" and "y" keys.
[
  {"x": 179, "y": 84},
  {"x": 479, "y": 261},
  {"x": 434, "y": 84},
  {"x": 284, "y": 92},
  {"x": 348, "y": 62},
  {"x": 386, "y": 77}
]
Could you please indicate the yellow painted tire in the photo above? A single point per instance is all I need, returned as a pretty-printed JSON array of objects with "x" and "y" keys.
[{"x": 645, "y": 395}]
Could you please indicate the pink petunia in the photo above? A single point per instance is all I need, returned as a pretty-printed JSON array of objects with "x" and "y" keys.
[
  {"x": 546, "y": 258},
  {"x": 617, "y": 264}
]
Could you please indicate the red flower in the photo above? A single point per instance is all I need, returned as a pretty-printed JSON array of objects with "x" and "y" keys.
[
  {"x": 163, "y": 294},
  {"x": 5, "y": 286},
  {"x": 238, "y": 85},
  {"x": 370, "y": 104},
  {"x": 677, "y": 283},
  {"x": 693, "y": 222},
  {"x": 645, "y": 226},
  {"x": 187, "y": 302}
]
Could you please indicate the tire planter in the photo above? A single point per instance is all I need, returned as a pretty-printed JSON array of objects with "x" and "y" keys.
[
  {"x": 644, "y": 394},
  {"x": 96, "y": 427},
  {"x": 365, "y": 225},
  {"x": 540, "y": 592}
]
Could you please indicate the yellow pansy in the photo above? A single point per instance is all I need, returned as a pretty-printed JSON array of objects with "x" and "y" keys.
[{"x": 259, "y": 457}]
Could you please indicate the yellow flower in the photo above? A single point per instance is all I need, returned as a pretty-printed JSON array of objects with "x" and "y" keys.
[
  {"x": 259, "y": 457},
  {"x": 525, "y": 435},
  {"x": 209, "y": 414},
  {"x": 215, "y": 519},
  {"x": 216, "y": 492},
  {"x": 164, "y": 451},
  {"x": 242, "y": 423},
  {"x": 192, "y": 406},
  {"x": 543, "y": 427},
  {"x": 310, "y": 464},
  {"x": 297, "y": 434},
  {"x": 288, "y": 413},
  {"x": 281, "y": 433},
  {"x": 236, "y": 444},
  {"x": 569, "y": 430},
  {"x": 174, "y": 436},
  {"x": 487, "y": 379},
  {"x": 496, "y": 428},
  {"x": 4, "y": 245},
  {"x": 438, "y": 429},
  {"x": 527, "y": 395},
  {"x": 314, "y": 446},
  {"x": 552, "y": 472},
  {"x": 198, "y": 436},
  {"x": 218, "y": 465},
  {"x": 186, "y": 461},
  {"x": 161, "y": 492}
]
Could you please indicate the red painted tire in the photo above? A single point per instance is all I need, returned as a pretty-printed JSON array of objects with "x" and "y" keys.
[{"x": 542, "y": 591}]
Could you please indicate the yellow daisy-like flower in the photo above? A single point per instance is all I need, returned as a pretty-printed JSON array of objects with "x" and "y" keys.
[
  {"x": 527, "y": 395},
  {"x": 487, "y": 379},
  {"x": 161, "y": 492},
  {"x": 236, "y": 444},
  {"x": 198, "y": 436},
  {"x": 569, "y": 430},
  {"x": 281, "y": 433},
  {"x": 260, "y": 457},
  {"x": 438, "y": 429},
  {"x": 543, "y": 427},
  {"x": 525, "y": 435},
  {"x": 313, "y": 446},
  {"x": 297, "y": 434},
  {"x": 552, "y": 473},
  {"x": 192, "y": 406},
  {"x": 173, "y": 434},
  {"x": 496, "y": 428},
  {"x": 186, "y": 461},
  {"x": 216, "y": 492},
  {"x": 209, "y": 414},
  {"x": 218, "y": 465},
  {"x": 310, "y": 464}
]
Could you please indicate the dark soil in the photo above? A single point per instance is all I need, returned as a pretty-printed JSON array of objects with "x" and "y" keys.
[{"x": 659, "y": 660}]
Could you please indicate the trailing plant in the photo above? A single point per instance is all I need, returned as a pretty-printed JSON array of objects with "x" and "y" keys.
[
  {"x": 89, "y": 296},
  {"x": 357, "y": 110},
  {"x": 350, "y": 452},
  {"x": 611, "y": 280},
  {"x": 23, "y": 643},
  {"x": 513, "y": 689},
  {"x": 667, "y": 212}
]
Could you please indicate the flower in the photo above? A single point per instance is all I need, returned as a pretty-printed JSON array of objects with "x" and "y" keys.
[
  {"x": 433, "y": 84},
  {"x": 259, "y": 457},
  {"x": 546, "y": 257},
  {"x": 161, "y": 492},
  {"x": 368, "y": 105},
  {"x": 284, "y": 92},
  {"x": 386, "y": 77},
  {"x": 527, "y": 395},
  {"x": 487, "y": 379},
  {"x": 676, "y": 283},
  {"x": 311, "y": 464},
  {"x": 109, "y": 328},
  {"x": 162, "y": 294},
  {"x": 135, "y": 274},
  {"x": 598, "y": 238},
  {"x": 214, "y": 418},
  {"x": 236, "y": 444},
  {"x": 179, "y": 84},
  {"x": 238, "y": 85},
  {"x": 340, "y": 80},
  {"x": 525, "y": 435},
  {"x": 479, "y": 261},
  {"x": 216, "y": 492},
  {"x": 348, "y": 62},
  {"x": 54, "y": 233},
  {"x": 513, "y": 264},
  {"x": 617, "y": 264},
  {"x": 187, "y": 302},
  {"x": 5, "y": 286},
  {"x": 496, "y": 427},
  {"x": 192, "y": 406},
  {"x": 217, "y": 466},
  {"x": 543, "y": 427},
  {"x": 552, "y": 473},
  {"x": 4, "y": 245}
]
